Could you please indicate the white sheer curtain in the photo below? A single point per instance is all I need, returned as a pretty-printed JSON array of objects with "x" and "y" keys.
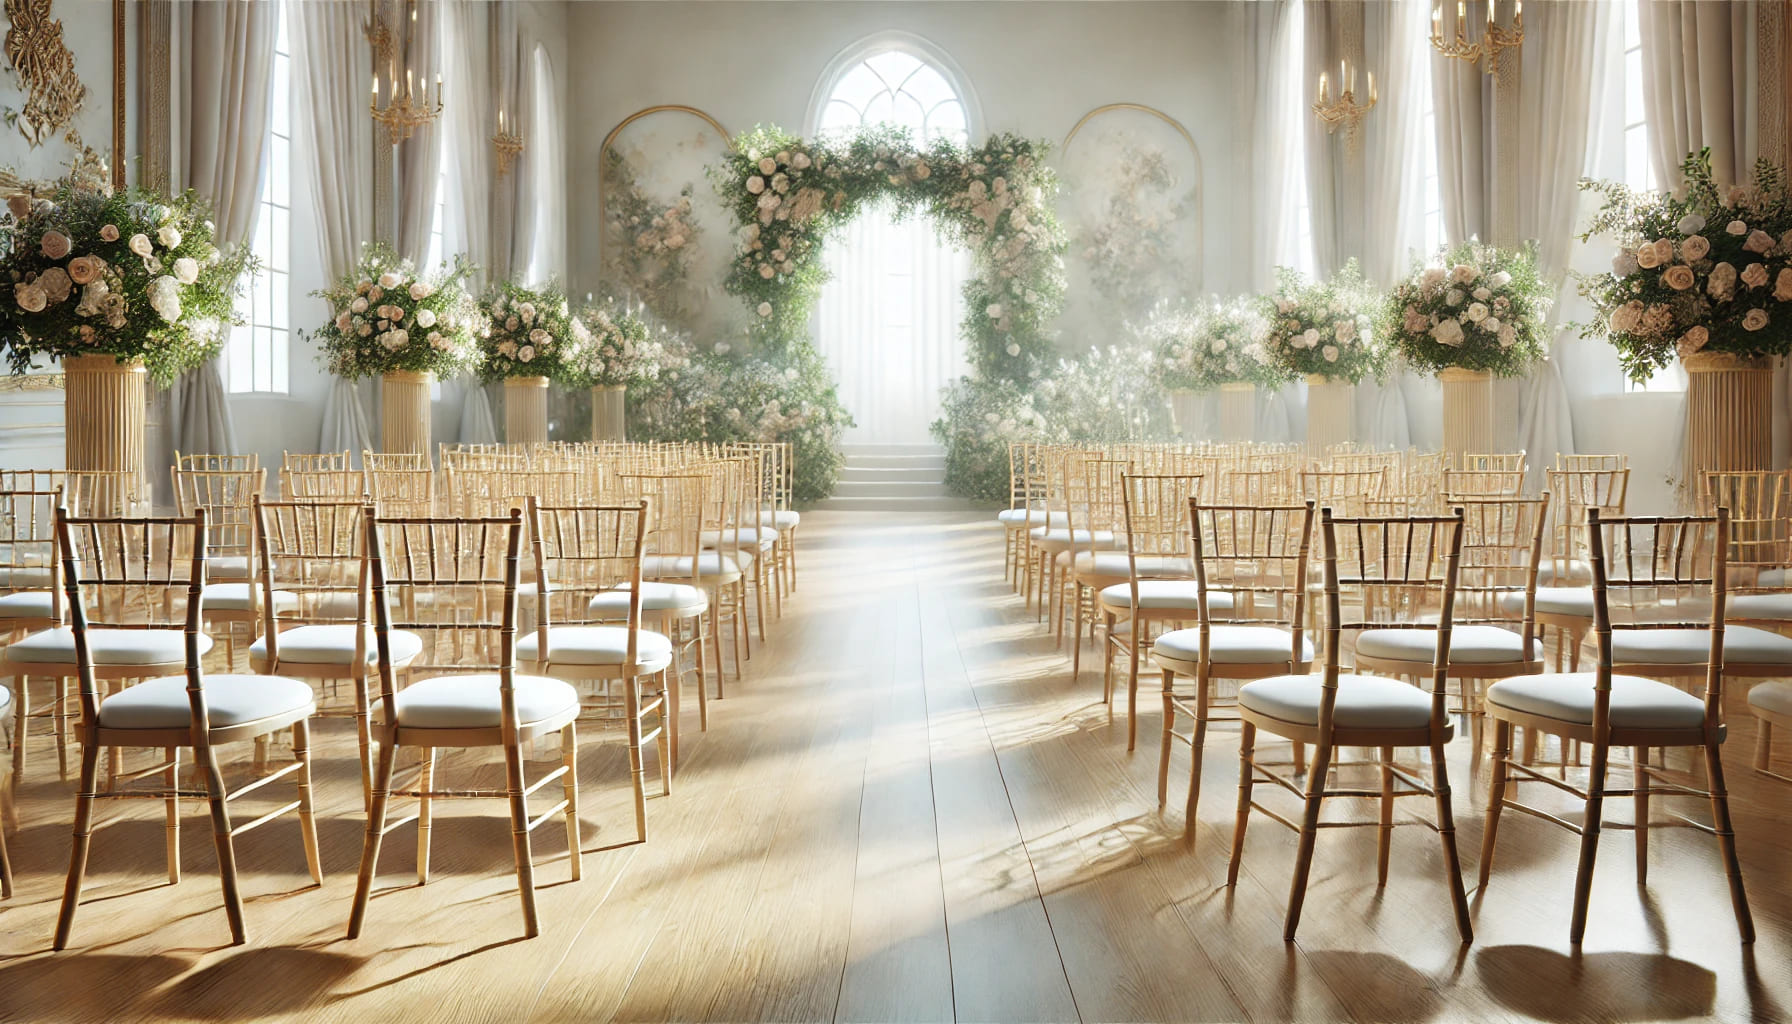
[
  {"x": 888, "y": 324},
  {"x": 546, "y": 190},
  {"x": 1274, "y": 104},
  {"x": 419, "y": 158},
  {"x": 1699, "y": 62},
  {"x": 1462, "y": 98}
]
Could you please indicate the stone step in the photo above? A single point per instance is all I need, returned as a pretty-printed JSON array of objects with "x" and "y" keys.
[
  {"x": 850, "y": 450},
  {"x": 890, "y": 489},
  {"x": 892, "y": 474},
  {"x": 935, "y": 464},
  {"x": 844, "y": 504}
]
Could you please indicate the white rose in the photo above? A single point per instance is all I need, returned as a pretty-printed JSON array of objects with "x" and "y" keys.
[
  {"x": 1754, "y": 320},
  {"x": 1464, "y": 273},
  {"x": 1309, "y": 338},
  {"x": 359, "y": 305},
  {"x": 1013, "y": 349},
  {"x": 1432, "y": 278},
  {"x": 1331, "y": 353},
  {"x": 1454, "y": 297},
  {"x": 755, "y": 184},
  {"x": 993, "y": 311},
  {"x": 767, "y": 165},
  {"x": 1476, "y": 312},
  {"x": 435, "y": 339},
  {"x": 169, "y": 235},
  {"x": 164, "y": 298},
  {"x": 420, "y": 291},
  {"x": 426, "y": 318},
  {"x": 1691, "y": 224},
  {"x": 1693, "y": 340},
  {"x": 765, "y": 309},
  {"x": 186, "y": 270},
  {"x": 140, "y": 244},
  {"x": 1343, "y": 331},
  {"x": 30, "y": 297},
  {"x": 800, "y": 161},
  {"x": 1482, "y": 294},
  {"x": 1447, "y": 332},
  {"x": 526, "y": 354}
]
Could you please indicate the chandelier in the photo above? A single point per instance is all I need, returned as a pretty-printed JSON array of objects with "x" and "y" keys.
[
  {"x": 509, "y": 144},
  {"x": 1494, "y": 39},
  {"x": 1344, "y": 111},
  {"x": 404, "y": 112}
]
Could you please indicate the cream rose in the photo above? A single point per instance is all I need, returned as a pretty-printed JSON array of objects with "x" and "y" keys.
[
  {"x": 56, "y": 285},
  {"x": 1722, "y": 281},
  {"x": 755, "y": 184},
  {"x": 1736, "y": 227},
  {"x": 168, "y": 235},
  {"x": 526, "y": 354},
  {"x": 1754, "y": 320},
  {"x": 1448, "y": 332},
  {"x": 1475, "y": 313},
  {"x": 85, "y": 269},
  {"x": 426, "y": 318},
  {"x": 1758, "y": 241},
  {"x": 767, "y": 165},
  {"x": 20, "y": 206},
  {"x": 30, "y": 297},
  {"x": 186, "y": 270},
  {"x": 1695, "y": 338},
  {"x": 1782, "y": 285},
  {"x": 1754, "y": 275},
  {"x": 1330, "y": 352},
  {"x": 1678, "y": 277},
  {"x": 109, "y": 233},
  {"x": 420, "y": 291},
  {"x": 994, "y": 311},
  {"x": 1645, "y": 256},
  {"x": 55, "y": 244},
  {"x": 765, "y": 309},
  {"x": 141, "y": 245},
  {"x": 390, "y": 279},
  {"x": 1694, "y": 248},
  {"x": 1664, "y": 252}
]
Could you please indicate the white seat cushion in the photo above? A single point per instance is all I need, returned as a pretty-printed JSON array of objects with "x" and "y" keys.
[
  {"x": 1472, "y": 644},
  {"x": 1773, "y": 578},
  {"x": 1363, "y": 702},
  {"x": 1745, "y": 645},
  {"x": 1058, "y": 538},
  {"x": 1164, "y": 595},
  {"x": 783, "y": 519},
  {"x": 655, "y": 597},
  {"x": 107, "y": 646},
  {"x": 1766, "y": 607},
  {"x": 597, "y": 645},
  {"x": 1637, "y": 703},
  {"x": 1234, "y": 645},
  {"x": 1114, "y": 563},
  {"x": 5, "y": 697},
  {"x": 27, "y": 604},
  {"x": 227, "y": 567},
  {"x": 229, "y": 700},
  {"x": 1552, "y": 601},
  {"x": 334, "y": 644},
  {"x": 1571, "y": 571},
  {"x": 1015, "y": 518},
  {"x": 709, "y": 563},
  {"x": 234, "y": 597},
  {"x": 1775, "y": 698},
  {"x": 472, "y": 701},
  {"x": 25, "y": 576},
  {"x": 762, "y": 537}
]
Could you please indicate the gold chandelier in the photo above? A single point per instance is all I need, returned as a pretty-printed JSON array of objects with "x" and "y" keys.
[
  {"x": 1344, "y": 111},
  {"x": 509, "y": 144},
  {"x": 404, "y": 112},
  {"x": 1494, "y": 39}
]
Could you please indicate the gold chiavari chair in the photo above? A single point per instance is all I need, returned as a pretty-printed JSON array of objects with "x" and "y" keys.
[
  {"x": 779, "y": 513},
  {"x": 1091, "y": 570},
  {"x": 1344, "y": 490},
  {"x": 1564, "y": 599},
  {"x": 1159, "y": 589},
  {"x": 1047, "y": 539},
  {"x": 315, "y": 554},
  {"x": 30, "y": 601},
  {"x": 320, "y": 476},
  {"x": 587, "y": 551},
  {"x": 1250, "y": 566},
  {"x": 226, "y": 495},
  {"x": 1645, "y": 568},
  {"x": 723, "y": 573},
  {"x": 1482, "y": 483},
  {"x": 1335, "y": 709},
  {"x": 1583, "y": 463},
  {"x": 754, "y": 546},
  {"x": 33, "y": 479},
  {"x": 400, "y": 491},
  {"x": 213, "y": 463},
  {"x": 316, "y": 462},
  {"x": 1760, "y": 594},
  {"x": 439, "y": 578},
  {"x": 106, "y": 493},
  {"x": 134, "y": 587},
  {"x": 1581, "y": 482}
]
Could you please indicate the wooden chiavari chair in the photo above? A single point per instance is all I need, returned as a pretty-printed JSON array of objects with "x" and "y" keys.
[
  {"x": 779, "y": 513},
  {"x": 1250, "y": 565},
  {"x": 674, "y": 608},
  {"x": 322, "y": 476},
  {"x": 1644, "y": 569},
  {"x": 1336, "y": 709},
  {"x": 33, "y": 479},
  {"x": 1564, "y": 596},
  {"x": 439, "y": 578},
  {"x": 1760, "y": 594},
  {"x": 587, "y": 551},
  {"x": 225, "y": 495},
  {"x": 753, "y": 545},
  {"x": 1160, "y": 586},
  {"x": 397, "y": 489},
  {"x": 723, "y": 573},
  {"x": 1088, "y": 569},
  {"x": 214, "y": 463},
  {"x": 1048, "y": 538},
  {"x": 134, "y": 588},
  {"x": 106, "y": 493},
  {"x": 30, "y": 601}
]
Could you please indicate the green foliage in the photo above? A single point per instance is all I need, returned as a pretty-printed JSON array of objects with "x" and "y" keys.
[
  {"x": 386, "y": 317},
  {"x": 1325, "y": 327},
  {"x": 531, "y": 332},
  {"x": 133, "y": 274},
  {"x": 979, "y": 417},
  {"x": 1209, "y": 343},
  {"x": 1703, "y": 268},
  {"x": 1475, "y": 306}
]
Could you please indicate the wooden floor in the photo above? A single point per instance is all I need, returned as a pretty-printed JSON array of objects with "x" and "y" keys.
[{"x": 907, "y": 811}]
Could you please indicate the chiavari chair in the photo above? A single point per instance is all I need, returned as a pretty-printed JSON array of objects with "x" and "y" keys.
[
  {"x": 778, "y": 513},
  {"x": 1760, "y": 594},
  {"x": 321, "y": 476},
  {"x": 1581, "y": 482},
  {"x": 587, "y": 551},
  {"x": 1564, "y": 595},
  {"x": 134, "y": 591},
  {"x": 754, "y": 545},
  {"x": 1159, "y": 589},
  {"x": 439, "y": 578},
  {"x": 678, "y": 610},
  {"x": 763, "y": 463},
  {"x": 106, "y": 493},
  {"x": 1583, "y": 463},
  {"x": 33, "y": 479},
  {"x": 400, "y": 485},
  {"x": 1335, "y": 709},
  {"x": 1047, "y": 538},
  {"x": 316, "y": 462},
  {"x": 1090, "y": 570},
  {"x": 225, "y": 495},
  {"x": 216, "y": 463},
  {"x": 721, "y": 517},
  {"x": 678, "y": 558},
  {"x": 1251, "y": 564},
  {"x": 1645, "y": 570},
  {"x": 30, "y": 601}
]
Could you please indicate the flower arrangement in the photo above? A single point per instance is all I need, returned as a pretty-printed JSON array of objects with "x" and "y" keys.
[
  {"x": 624, "y": 349},
  {"x": 387, "y": 317},
  {"x": 1131, "y": 251},
  {"x": 1700, "y": 269},
  {"x": 530, "y": 332},
  {"x": 132, "y": 274},
  {"x": 1105, "y": 395},
  {"x": 1324, "y": 328},
  {"x": 978, "y": 419},
  {"x": 654, "y": 244},
  {"x": 1211, "y": 343},
  {"x": 1475, "y": 306}
]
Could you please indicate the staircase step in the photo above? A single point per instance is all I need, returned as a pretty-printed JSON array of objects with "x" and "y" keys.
[
  {"x": 850, "y": 450},
  {"x": 844, "y": 504},
  {"x": 857, "y": 473},
  {"x": 894, "y": 489},
  {"x": 932, "y": 463}
]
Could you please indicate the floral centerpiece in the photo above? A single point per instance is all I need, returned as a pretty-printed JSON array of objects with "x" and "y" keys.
[
  {"x": 1474, "y": 307},
  {"x": 625, "y": 349},
  {"x": 1324, "y": 328},
  {"x": 1700, "y": 269},
  {"x": 132, "y": 274},
  {"x": 531, "y": 332},
  {"x": 1216, "y": 342},
  {"x": 388, "y": 317}
]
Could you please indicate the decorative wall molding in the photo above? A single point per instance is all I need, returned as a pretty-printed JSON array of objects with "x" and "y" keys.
[
  {"x": 46, "y": 70},
  {"x": 155, "y": 90},
  {"x": 33, "y": 382},
  {"x": 120, "y": 155},
  {"x": 1773, "y": 100}
]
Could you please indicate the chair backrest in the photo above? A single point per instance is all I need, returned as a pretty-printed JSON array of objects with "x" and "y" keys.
[
  {"x": 33, "y": 480},
  {"x": 584, "y": 551},
  {"x": 316, "y": 551},
  {"x": 1157, "y": 524},
  {"x": 1258, "y": 554},
  {"x": 1502, "y": 546},
  {"x": 28, "y": 559},
  {"x": 316, "y": 462},
  {"x": 1658, "y": 572},
  {"x": 1401, "y": 573},
  {"x": 106, "y": 493},
  {"x": 301, "y": 482},
  {"x": 1581, "y": 463},
  {"x": 136, "y": 574},
  {"x": 402, "y": 491},
  {"x": 1760, "y": 504},
  {"x": 453, "y": 583},
  {"x": 226, "y": 496},
  {"x": 675, "y": 503},
  {"x": 1575, "y": 492},
  {"x": 209, "y": 463},
  {"x": 1343, "y": 489}
]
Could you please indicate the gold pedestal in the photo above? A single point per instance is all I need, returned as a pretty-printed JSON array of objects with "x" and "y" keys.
[
  {"x": 1238, "y": 412},
  {"x": 526, "y": 410},
  {"x": 1331, "y": 412},
  {"x": 405, "y": 412},
  {"x": 1185, "y": 411},
  {"x": 1468, "y": 410},
  {"x": 1729, "y": 416},
  {"x": 608, "y": 419},
  {"x": 103, "y": 414}
]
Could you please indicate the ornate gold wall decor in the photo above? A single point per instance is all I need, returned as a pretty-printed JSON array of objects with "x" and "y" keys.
[
  {"x": 46, "y": 68},
  {"x": 33, "y": 382}
]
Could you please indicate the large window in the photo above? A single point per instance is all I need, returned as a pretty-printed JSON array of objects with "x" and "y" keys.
[
  {"x": 1639, "y": 171},
  {"x": 256, "y": 357}
]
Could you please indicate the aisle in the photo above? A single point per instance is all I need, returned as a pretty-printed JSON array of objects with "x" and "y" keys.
[{"x": 907, "y": 811}]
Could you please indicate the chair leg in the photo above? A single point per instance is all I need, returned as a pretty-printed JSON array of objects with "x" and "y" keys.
[
  {"x": 702, "y": 679},
  {"x": 1190, "y": 820},
  {"x": 1247, "y": 741},
  {"x": 1589, "y": 841},
  {"x": 759, "y": 594},
  {"x": 1726, "y": 840},
  {"x": 301, "y": 753},
  {"x": 426, "y": 781},
  {"x": 631, "y": 689},
  {"x": 376, "y": 831},
  {"x": 1642, "y": 814},
  {"x": 661, "y": 746},
  {"x": 1107, "y": 661},
  {"x": 1076, "y": 636},
  {"x": 670, "y": 693},
  {"x": 1763, "y": 746},
  {"x": 83, "y": 839},
  {"x": 1496, "y": 795},
  {"x": 1132, "y": 689},
  {"x": 519, "y": 836},
  {"x": 1163, "y": 754},
  {"x": 171, "y": 779},
  {"x": 569, "y": 756},
  {"x": 1446, "y": 832},
  {"x": 1384, "y": 834},
  {"x": 59, "y": 721},
  {"x": 215, "y": 796},
  {"x": 1309, "y": 831},
  {"x": 21, "y": 699},
  {"x": 5, "y": 867}
]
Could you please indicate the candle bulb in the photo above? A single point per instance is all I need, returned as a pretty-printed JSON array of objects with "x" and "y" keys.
[
  {"x": 1517, "y": 11},
  {"x": 1323, "y": 95},
  {"x": 1371, "y": 87},
  {"x": 408, "y": 90}
]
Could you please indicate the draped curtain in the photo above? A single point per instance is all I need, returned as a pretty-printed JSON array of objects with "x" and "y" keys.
[
  {"x": 509, "y": 235},
  {"x": 419, "y": 158},
  {"x": 1324, "y": 24},
  {"x": 1462, "y": 102},
  {"x": 1273, "y": 104},
  {"x": 229, "y": 51},
  {"x": 547, "y": 187},
  {"x": 330, "y": 63}
]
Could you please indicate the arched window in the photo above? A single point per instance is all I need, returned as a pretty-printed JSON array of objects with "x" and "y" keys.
[{"x": 888, "y": 319}]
